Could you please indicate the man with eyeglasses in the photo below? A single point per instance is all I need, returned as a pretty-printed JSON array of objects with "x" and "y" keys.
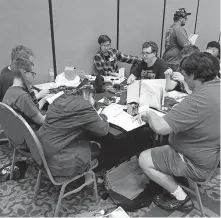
[
  {"x": 151, "y": 67},
  {"x": 7, "y": 76},
  {"x": 176, "y": 38},
  {"x": 106, "y": 60},
  {"x": 18, "y": 97}
]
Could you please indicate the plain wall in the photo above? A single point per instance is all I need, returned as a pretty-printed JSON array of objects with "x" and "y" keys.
[
  {"x": 78, "y": 23},
  {"x": 136, "y": 25},
  {"x": 77, "y": 26},
  {"x": 26, "y": 22},
  {"x": 208, "y": 23}
]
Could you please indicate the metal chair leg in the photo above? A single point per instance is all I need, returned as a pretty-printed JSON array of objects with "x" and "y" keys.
[
  {"x": 13, "y": 164},
  {"x": 38, "y": 182},
  {"x": 198, "y": 196},
  {"x": 59, "y": 200},
  {"x": 95, "y": 187}
]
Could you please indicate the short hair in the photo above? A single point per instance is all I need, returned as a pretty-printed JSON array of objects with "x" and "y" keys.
[
  {"x": 19, "y": 64},
  {"x": 153, "y": 45},
  {"x": 216, "y": 62},
  {"x": 200, "y": 65},
  {"x": 188, "y": 50},
  {"x": 103, "y": 38},
  {"x": 214, "y": 44},
  {"x": 21, "y": 51}
]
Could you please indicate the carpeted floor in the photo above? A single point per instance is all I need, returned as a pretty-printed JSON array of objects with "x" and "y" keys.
[{"x": 16, "y": 198}]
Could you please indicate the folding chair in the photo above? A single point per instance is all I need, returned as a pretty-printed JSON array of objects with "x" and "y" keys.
[
  {"x": 196, "y": 184},
  {"x": 26, "y": 134},
  {"x": 14, "y": 140}
]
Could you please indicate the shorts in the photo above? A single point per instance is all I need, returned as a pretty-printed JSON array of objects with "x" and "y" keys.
[{"x": 167, "y": 160}]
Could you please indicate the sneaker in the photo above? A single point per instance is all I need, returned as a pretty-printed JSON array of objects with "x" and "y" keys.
[{"x": 169, "y": 202}]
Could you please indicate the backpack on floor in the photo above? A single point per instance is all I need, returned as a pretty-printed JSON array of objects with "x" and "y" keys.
[{"x": 125, "y": 183}]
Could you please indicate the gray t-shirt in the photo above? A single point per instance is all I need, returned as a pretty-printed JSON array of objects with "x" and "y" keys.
[
  {"x": 176, "y": 38},
  {"x": 196, "y": 125}
]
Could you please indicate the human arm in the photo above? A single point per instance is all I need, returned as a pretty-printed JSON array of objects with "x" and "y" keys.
[
  {"x": 41, "y": 103},
  {"x": 99, "y": 126},
  {"x": 170, "y": 84},
  {"x": 177, "y": 76},
  {"x": 156, "y": 122},
  {"x": 182, "y": 38},
  {"x": 131, "y": 79},
  {"x": 25, "y": 105},
  {"x": 42, "y": 94},
  {"x": 127, "y": 58},
  {"x": 39, "y": 118}
]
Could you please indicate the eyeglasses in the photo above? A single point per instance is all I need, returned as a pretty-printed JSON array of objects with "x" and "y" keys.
[
  {"x": 33, "y": 74},
  {"x": 146, "y": 53},
  {"x": 106, "y": 46}
]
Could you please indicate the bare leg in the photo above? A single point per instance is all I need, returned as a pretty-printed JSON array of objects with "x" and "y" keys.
[{"x": 164, "y": 180}]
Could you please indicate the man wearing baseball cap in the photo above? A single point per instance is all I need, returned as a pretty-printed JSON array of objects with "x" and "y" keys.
[{"x": 176, "y": 38}]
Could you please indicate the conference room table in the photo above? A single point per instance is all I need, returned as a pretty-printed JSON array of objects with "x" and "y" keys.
[{"x": 115, "y": 131}]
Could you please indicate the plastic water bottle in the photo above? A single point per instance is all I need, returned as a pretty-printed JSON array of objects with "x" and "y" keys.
[{"x": 51, "y": 75}]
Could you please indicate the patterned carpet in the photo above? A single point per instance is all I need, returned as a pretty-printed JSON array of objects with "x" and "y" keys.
[{"x": 16, "y": 198}]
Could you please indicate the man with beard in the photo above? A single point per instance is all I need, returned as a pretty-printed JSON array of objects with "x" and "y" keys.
[{"x": 176, "y": 38}]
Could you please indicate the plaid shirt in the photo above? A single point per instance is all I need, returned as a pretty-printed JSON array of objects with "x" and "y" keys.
[{"x": 109, "y": 63}]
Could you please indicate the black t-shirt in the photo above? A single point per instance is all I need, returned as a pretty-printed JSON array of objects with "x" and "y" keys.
[
  {"x": 156, "y": 71},
  {"x": 6, "y": 80}
]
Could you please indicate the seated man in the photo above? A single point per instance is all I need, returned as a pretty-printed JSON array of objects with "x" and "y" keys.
[
  {"x": 151, "y": 67},
  {"x": 17, "y": 96},
  {"x": 177, "y": 81},
  {"x": 213, "y": 48},
  {"x": 7, "y": 76},
  {"x": 64, "y": 133},
  {"x": 106, "y": 60},
  {"x": 194, "y": 130}
]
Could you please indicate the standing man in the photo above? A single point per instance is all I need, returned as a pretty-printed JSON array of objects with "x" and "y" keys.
[
  {"x": 106, "y": 60},
  {"x": 151, "y": 67},
  {"x": 176, "y": 38}
]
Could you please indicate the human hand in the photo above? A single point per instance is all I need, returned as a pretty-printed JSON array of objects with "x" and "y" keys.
[
  {"x": 42, "y": 93},
  {"x": 139, "y": 117},
  {"x": 168, "y": 72},
  {"x": 178, "y": 76}
]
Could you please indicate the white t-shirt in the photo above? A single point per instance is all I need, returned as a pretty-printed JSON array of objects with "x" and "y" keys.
[{"x": 61, "y": 80}]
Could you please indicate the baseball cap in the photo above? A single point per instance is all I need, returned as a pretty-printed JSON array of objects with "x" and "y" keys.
[{"x": 181, "y": 12}]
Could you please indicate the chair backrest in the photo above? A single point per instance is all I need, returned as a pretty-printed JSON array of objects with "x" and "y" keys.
[
  {"x": 18, "y": 131},
  {"x": 213, "y": 171}
]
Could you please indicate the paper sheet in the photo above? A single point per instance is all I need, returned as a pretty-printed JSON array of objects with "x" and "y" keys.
[
  {"x": 192, "y": 38},
  {"x": 178, "y": 96},
  {"x": 147, "y": 92},
  {"x": 50, "y": 85},
  {"x": 118, "y": 117}
]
